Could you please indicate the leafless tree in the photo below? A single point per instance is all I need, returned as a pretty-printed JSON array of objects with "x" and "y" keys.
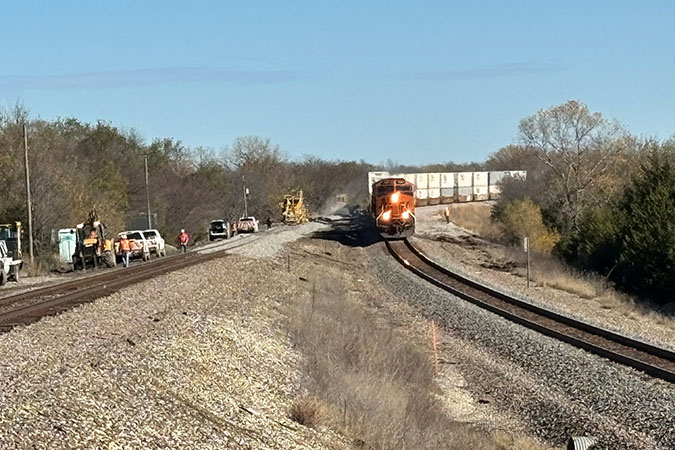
[{"x": 580, "y": 147}]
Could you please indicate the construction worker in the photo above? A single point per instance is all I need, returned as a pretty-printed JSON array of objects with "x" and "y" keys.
[
  {"x": 268, "y": 222},
  {"x": 183, "y": 240},
  {"x": 446, "y": 214},
  {"x": 126, "y": 249}
]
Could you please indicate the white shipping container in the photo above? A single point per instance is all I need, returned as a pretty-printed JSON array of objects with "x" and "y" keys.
[
  {"x": 465, "y": 194},
  {"x": 422, "y": 180},
  {"x": 434, "y": 180},
  {"x": 422, "y": 194},
  {"x": 410, "y": 178},
  {"x": 374, "y": 177},
  {"x": 448, "y": 180},
  {"x": 434, "y": 192},
  {"x": 480, "y": 193},
  {"x": 465, "y": 179},
  {"x": 448, "y": 192},
  {"x": 480, "y": 178}
]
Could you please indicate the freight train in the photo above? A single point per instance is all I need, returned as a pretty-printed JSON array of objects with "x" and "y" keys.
[
  {"x": 452, "y": 187},
  {"x": 392, "y": 207}
]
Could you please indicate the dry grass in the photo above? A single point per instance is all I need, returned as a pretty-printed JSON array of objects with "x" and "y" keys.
[
  {"x": 376, "y": 387},
  {"x": 547, "y": 271},
  {"x": 475, "y": 217},
  {"x": 306, "y": 411}
]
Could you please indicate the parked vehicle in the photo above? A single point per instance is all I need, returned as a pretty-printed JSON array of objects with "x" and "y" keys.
[
  {"x": 219, "y": 229},
  {"x": 247, "y": 225},
  {"x": 155, "y": 242},
  {"x": 11, "y": 234},
  {"x": 138, "y": 244},
  {"x": 9, "y": 267}
]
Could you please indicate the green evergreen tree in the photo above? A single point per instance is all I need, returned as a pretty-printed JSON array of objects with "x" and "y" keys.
[{"x": 646, "y": 232}]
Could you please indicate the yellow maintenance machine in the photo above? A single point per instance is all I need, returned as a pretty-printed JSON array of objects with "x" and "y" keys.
[
  {"x": 293, "y": 209},
  {"x": 91, "y": 245}
]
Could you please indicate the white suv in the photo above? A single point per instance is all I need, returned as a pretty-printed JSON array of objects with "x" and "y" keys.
[
  {"x": 247, "y": 225},
  {"x": 155, "y": 242}
]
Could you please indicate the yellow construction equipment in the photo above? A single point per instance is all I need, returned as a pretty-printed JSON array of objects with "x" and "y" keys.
[{"x": 293, "y": 209}]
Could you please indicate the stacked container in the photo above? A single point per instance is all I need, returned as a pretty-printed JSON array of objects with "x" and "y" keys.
[
  {"x": 480, "y": 186},
  {"x": 448, "y": 187},
  {"x": 464, "y": 186},
  {"x": 434, "y": 181},
  {"x": 422, "y": 189}
]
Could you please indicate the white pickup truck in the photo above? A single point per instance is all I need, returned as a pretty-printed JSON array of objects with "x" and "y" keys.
[
  {"x": 155, "y": 242},
  {"x": 246, "y": 225},
  {"x": 9, "y": 267}
]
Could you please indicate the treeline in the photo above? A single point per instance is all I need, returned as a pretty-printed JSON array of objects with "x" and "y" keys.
[
  {"x": 604, "y": 200},
  {"x": 595, "y": 196},
  {"x": 76, "y": 167}
]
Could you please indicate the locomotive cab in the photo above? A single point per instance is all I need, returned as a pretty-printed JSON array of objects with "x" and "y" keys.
[{"x": 392, "y": 207}]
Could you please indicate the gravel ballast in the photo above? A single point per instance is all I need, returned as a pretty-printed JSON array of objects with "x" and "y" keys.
[
  {"x": 191, "y": 359},
  {"x": 557, "y": 390}
]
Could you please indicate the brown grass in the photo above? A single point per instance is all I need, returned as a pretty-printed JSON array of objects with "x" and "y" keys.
[
  {"x": 377, "y": 387},
  {"x": 475, "y": 217},
  {"x": 306, "y": 411}
]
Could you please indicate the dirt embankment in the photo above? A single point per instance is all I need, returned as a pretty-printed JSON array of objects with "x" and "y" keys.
[{"x": 552, "y": 286}]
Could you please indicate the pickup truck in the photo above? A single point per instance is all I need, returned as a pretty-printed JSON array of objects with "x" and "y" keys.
[
  {"x": 137, "y": 242},
  {"x": 155, "y": 242},
  {"x": 246, "y": 225},
  {"x": 9, "y": 267}
]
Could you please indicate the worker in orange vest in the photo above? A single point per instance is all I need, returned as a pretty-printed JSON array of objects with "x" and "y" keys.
[
  {"x": 446, "y": 214},
  {"x": 126, "y": 249}
]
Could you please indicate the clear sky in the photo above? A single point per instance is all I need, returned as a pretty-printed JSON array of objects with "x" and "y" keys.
[{"x": 410, "y": 81}]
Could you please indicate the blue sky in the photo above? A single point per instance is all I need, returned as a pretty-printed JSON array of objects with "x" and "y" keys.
[{"x": 417, "y": 82}]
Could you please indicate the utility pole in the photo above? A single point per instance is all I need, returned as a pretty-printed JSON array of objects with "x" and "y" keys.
[
  {"x": 245, "y": 196},
  {"x": 147, "y": 191},
  {"x": 29, "y": 205}
]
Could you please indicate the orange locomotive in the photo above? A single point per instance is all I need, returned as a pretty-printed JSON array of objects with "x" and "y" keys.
[{"x": 392, "y": 206}]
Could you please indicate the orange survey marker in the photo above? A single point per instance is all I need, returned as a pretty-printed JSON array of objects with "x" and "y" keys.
[{"x": 435, "y": 345}]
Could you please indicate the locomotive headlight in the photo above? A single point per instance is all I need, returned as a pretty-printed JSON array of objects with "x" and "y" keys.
[
  {"x": 386, "y": 215},
  {"x": 405, "y": 215},
  {"x": 395, "y": 197}
]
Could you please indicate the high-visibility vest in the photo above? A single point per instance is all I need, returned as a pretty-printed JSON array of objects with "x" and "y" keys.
[{"x": 125, "y": 245}]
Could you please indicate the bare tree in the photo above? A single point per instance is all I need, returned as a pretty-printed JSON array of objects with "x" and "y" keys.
[{"x": 580, "y": 147}]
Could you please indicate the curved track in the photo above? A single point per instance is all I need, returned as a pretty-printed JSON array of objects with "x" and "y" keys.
[
  {"x": 31, "y": 306},
  {"x": 655, "y": 361}
]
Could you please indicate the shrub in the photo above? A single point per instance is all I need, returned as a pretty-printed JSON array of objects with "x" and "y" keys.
[
  {"x": 522, "y": 218},
  {"x": 645, "y": 218}
]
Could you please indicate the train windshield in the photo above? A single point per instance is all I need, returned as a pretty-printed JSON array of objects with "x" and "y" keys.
[{"x": 387, "y": 189}]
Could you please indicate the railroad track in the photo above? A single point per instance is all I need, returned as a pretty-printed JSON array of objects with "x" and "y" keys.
[
  {"x": 655, "y": 361},
  {"x": 28, "y": 307}
]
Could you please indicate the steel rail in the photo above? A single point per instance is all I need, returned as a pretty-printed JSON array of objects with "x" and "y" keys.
[
  {"x": 653, "y": 360},
  {"x": 54, "y": 299}
]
